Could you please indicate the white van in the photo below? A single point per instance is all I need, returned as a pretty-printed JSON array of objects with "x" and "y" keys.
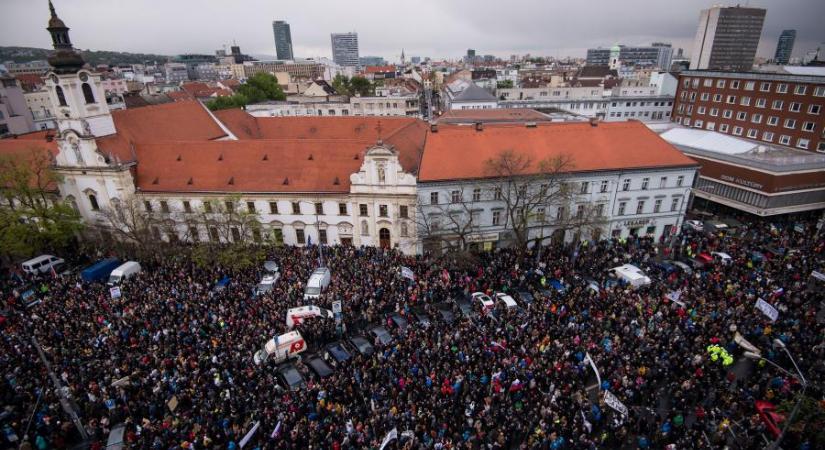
[
  {"x": 124, "y": 271},
  {"x": 41, "y": 264},
  {"x": 318, "y": 281},
  {"x": 631, "y": 274},
  {"x": 281, "y": 347},
  {"x": 294, "y": 316}
]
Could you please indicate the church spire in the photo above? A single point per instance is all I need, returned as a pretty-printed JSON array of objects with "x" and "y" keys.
[{"x": 64, "y": 59}]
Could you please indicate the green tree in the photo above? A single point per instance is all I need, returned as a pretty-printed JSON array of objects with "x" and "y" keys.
[
  {"x": 227, "y": 102},
  {"x": 33, "y": 219},
  {"x": 341, "y": 84},
  {"x": 505, "y": 84},
  {"x": 262, "y": 87},
  {"x": 361, "y": 86}
]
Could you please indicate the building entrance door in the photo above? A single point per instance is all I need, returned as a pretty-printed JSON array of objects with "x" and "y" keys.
[{"x": 384, "y": 237}]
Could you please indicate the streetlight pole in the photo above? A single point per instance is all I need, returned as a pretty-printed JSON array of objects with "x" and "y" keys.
[{"x": 65, "y": 402}]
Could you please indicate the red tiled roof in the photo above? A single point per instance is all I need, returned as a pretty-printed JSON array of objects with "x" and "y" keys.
[
  {"x": 179, "y": 121},
  {"x": 379, "y": 69},
  {"x": 281, "y": 165},
  {"x": 493, "y": 115},
  {"x": 179, "y": 96},
  {"x": 460, "y": 152},
  {"x": 30, "y": 81},
  {"x": 31, "y": 147}
]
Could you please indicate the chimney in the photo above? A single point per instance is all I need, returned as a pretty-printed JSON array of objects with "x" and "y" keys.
[
  {"x": 479, "y": 126},
  {"x": 594, "y": 121},
  {"x": 434, "y": 128}
]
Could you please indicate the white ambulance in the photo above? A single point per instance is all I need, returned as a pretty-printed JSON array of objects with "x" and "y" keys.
[
  {"x": 281, "y": 348},
  {"x": 294, "y": 316}
]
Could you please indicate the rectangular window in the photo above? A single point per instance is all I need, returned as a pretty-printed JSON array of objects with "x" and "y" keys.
[
  {"x": 236, "y": 234},
  {"x": 773, "y": 121},
  {"x": 777, "y": 105},
  {"x": 790, "y": 124},
  {"x": 752, "y": 133},
  {"x": 720, "y": 84},
  {"x": 193, "y": 234},
  {"x": 731, "y": 100},
  {"x": 496, "y": 217},
  {"x": 680, "y": 180},
  {"x": 273, "y": 207},
  {"x": 362, "y": 210},
  {"x": 645, "y": 183},
  {"x": 497, "y": 193},
  {"x": 147, "y": 205},
  {"x": 795, "y": 107},
  {"x": 455, "y": 196},
  {"x": 213, "y": 234},
  {"x": 187, "y": 207},
  {"x": 700, "y": 110},
  {"x": 814, "y": 109},
  {"x": 296, "y": 208},
  {"x": 705, "y": 96},
  {"x": 622, "y": 206},
  {"x": 662, "y": 182},
  {"x": 640, "y": 207},
  {"x": 477, "y": 194},
  {"x": 278, "y": 236},
  {"x": 300, "y": 237},
  {"x": 626, "y": 184},
  {"x": 821, "y": 147},
  {"x": 599, "y": 210},
  {"x": 765, "y": 86},
  {"x": 785, "y": 140},
  {"x": 727, "y": 114},
  {"x": 382, "y": 211},
  {"x": 657, "y": 205},
  {"x": 745, "y": 101},
  {"x": 782, "y": 88},
  {"x": 580, "y": 211},
  {"x": 403, "y": 212},
  {"x": 207, "y": 206},
  {"x": 250, "y": 206},
  {"x": 761, "y": 102},
  {"x": 322, "y": 236},
  {"x": 717, "y": 98},
  {"x": 723, "y": 127},
  {"x": 734, "y": 84},
  {"x": 707, "y": 82},
  {"x": 767, "y": 136},
  {"x": 737, "y": 131},
  {"x": 539, "y": 215},
  {"x": 319, "y": 208},
  {"x": 710, "y": 126},
  {"x": 803, "y": 143},
  {"x": 800, "y": 89},
  {"x": 560, "y": 213},
  {"x": 433, "y": 198},
  {"x": 698, "y": 124},
  {"x": 230, "y": 207},
  {"x": 342, "y": 209},
  {"x": 756, "y": 118},
  {"x": 164, "y": 206},
  {"x": 749, "y": 85},
  {"x": 741, "y": 115},
  {"x": 819, "y": 91},
  {"x": 584, "y": 186},
  {"x": 674, "y": 205},
  {"x": 603, "y": 187},
  {"x": 808, "y": 126},
  {"x": 714, "y": 112}
]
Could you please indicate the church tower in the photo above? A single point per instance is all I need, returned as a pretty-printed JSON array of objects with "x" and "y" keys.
[{"x": 79, "y": 101}]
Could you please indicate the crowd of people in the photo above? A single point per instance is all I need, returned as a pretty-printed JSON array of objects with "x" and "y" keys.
[{"x": 172, "y": 358}]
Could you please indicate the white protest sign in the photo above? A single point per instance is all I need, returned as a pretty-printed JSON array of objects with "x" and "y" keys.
[
  {"x": 391, "y": 436},
  {"x": 406, "y": 272},
  {"x": 767, "y": 309},
  {"x": 115, "y": 292},
  {"x": 593, "y": 365},
  {"x": 249, "y": 435},
  {"x": 615, "y": 403},
  {"x": 674, "y": 296}
]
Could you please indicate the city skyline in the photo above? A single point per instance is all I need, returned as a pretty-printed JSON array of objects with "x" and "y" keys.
[{"x": 455, "y": 27}]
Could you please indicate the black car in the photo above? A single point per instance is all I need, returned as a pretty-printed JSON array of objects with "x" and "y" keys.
[
  {"x": 362, "y": 345},
  {"x": 290, "y": 376},
  {"x": 445, "y": 310},
  {"x": 526, "y": 298},
  {"x": 465, "y": 306},
  {"x": 318, "y": 366},
  {"x": 381, "y": 333},
  {"x": 422, "y": 317},
  {"x": 398, "y": 321},
  {"x": 336, "y": 353}
]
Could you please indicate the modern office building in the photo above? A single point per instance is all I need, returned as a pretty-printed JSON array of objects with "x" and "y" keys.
[
  {"x": 658, "y": 55},
  {"x": 345, "y": 49},
  {"x": 784, "y": 47},
  {"x": 785, "y": 106},
  {"x": 283, "y": 40},
  {"x": 727, "y": 38}
]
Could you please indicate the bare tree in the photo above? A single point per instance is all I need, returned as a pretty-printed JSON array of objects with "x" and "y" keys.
[
  {"x": 527, "y": 188},
  {"x": 451, "y": 223}
]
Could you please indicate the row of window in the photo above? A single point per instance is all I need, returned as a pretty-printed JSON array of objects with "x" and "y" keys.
[
  {"x": 251, "y": 207},
  {"x": 657, "y": 206},
  {"x": 629, "y": 104},
  {"x": 752, "y": 133},
  {"x": 584, "y": 187},
  {"x": 777, "y": 105},
  {"x": 773, "y": 121},
  {"x": 88, "y": 94},
  {"x": 214, "y": 234},
  {"x": 764, "y": 86}
]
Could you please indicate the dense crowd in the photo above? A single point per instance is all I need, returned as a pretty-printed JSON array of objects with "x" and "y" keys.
[{"x": 180, "y": 353}]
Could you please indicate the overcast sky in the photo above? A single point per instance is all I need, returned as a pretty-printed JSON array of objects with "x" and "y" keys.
[{"x": 434, "y": 28}]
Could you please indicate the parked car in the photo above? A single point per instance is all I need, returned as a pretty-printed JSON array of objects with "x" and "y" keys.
[
  {"x": 318, "y": 366},
  {"x": 41, "y": 264},
  {"x": 290, "y": 377},
  {"x": 705, "y": 258},
  {"x": 558, "y": 285},
  {"x": 722, "y": 257},
  {"x": 317, "y": 283},
  {"x": 465, "y": 306},
  {"x": 123, "y": 272},
  {"x": 631, "y": 274},
  {"x": 484, "y": 300},
  {"x": 267, "y": 284},
  {"x": 397, "y": 320},
  {"x": 381, "y": 334},
  {"x": 445, "y": 310},
  {"x": 682, "y": 266},
  {"x": 421, "y": 316},
  {"x": 271, "y": 267},
  {"x": 336, "y": 353},
  {"x": 716, "y": 226},
  {"x": 695, "y": 225},
  {"x": 506, "y": 300},
  {"x": 100, "y": 270},
  {"x": 526, "y": 298},
  {"x": 362, "y": 345}
]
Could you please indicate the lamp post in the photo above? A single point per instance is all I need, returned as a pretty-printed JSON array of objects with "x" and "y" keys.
[
  {"x": 318, "y": 228},
  {"x": 799, "y": 376}
]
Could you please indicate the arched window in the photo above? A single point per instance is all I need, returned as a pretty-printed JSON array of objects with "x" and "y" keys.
[
  {"x": 87, "y": 93},
  {"x": 365, "y": 229},
  {"x": 93, "y": 202},
  {"x": 61, "y": 98}
]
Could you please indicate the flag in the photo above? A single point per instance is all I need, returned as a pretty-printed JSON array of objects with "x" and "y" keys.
[
  {"x": 309, "y": 241},
  {"x": 391, "y": 436},
  {"x": 593, "y": 365},
  {"x": 406, "y": 272},
  {"x": 277, "y": 431},
  {"x": 249, "y": 435},
  {"x": 54, "y": 273},
  {"x": 587, "y": 425}
]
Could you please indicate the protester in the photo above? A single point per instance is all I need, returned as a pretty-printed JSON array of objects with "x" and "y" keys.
[{"x": 172, "y": 358}]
